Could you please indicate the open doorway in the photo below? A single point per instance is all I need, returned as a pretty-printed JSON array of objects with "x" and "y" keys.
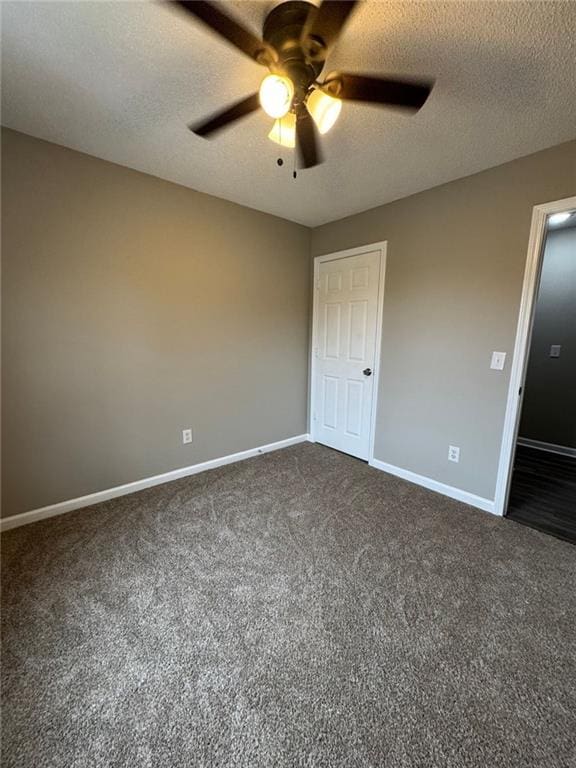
[{"x": 542, "y": 485}]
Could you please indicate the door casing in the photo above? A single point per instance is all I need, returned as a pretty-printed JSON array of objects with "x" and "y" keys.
[
  {"x": 530, "y": 285},
  {"x": 381, "y": 247}
]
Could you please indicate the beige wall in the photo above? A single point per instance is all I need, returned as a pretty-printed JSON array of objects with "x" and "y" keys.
[
  {"x": 549, "y": 405},
  {"x": 133, "y": 308},
  {"x": 456, "y": 257}
]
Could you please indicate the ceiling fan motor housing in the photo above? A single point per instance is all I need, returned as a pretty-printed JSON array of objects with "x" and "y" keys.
[{"x": 283, "y": 31}]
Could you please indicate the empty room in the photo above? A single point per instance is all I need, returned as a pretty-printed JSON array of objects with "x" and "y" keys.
[{"x": 288, "y": 384}]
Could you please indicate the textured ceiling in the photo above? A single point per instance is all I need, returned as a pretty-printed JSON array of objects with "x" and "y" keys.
[{"x": 121, "y": 81}]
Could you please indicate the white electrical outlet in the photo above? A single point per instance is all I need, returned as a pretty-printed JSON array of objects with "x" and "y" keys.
[
  {"x": 186, "y": 436},
  {"x": 555, "y": 350},
  {"x": 453, "y": 453}
]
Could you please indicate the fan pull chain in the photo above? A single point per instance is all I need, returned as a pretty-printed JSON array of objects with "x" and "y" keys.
[
  {"x": 294, "y": 174},
  {"x": 280, "y": 161}
]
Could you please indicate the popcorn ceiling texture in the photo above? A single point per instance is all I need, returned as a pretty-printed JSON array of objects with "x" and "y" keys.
[
  {"x": 298, "y": 609},
  {"x": 122, "y": 80}
]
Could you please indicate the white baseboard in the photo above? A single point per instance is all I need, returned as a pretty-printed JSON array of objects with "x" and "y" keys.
[
  {"x": 122, "y": 490},
  {"x": 487, "y": 505},
  {"x": 563, "y": 450}
]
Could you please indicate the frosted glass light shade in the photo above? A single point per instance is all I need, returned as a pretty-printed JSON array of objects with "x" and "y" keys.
[
  {"x": 284, "y": 131},
  {"x": 324, "y": 109},
  {"x": 559, "y": 218},
  {"x": 276, "y": 94}
]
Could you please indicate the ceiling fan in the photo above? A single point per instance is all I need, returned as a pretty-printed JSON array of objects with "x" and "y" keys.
[{"x": 297, "y": 38}]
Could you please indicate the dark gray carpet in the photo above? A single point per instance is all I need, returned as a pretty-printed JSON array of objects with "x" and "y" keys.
[{"x": 298, "y": 609}]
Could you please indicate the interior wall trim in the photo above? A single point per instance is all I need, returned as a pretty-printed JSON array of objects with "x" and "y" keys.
[
  {"x": 564, "y": 450},
  {"x": 24, "y": 518},
  {"x": 532, "y": 269},
  {"x": 487, "y": 505}
]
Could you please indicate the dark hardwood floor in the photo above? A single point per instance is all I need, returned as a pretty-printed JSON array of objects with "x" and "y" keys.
[{"x": 543, "y": 492}]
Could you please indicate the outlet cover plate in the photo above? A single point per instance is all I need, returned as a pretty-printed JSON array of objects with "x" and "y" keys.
[{"x": 453, "y": 453}]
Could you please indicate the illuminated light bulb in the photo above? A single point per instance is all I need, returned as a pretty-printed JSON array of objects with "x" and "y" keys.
[
  {"x": 559, "y": 218},
  {"x": 324, "y": 109},
  {"x": 284, "y": 131},
  {"x": 276, "y": 94}
]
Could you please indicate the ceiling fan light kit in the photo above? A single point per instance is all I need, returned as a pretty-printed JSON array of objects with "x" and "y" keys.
[
  {"x": 324, "y": 109},
  {"x": 296, "y": 40},
  {"x": 276, "y": 95},
  {"x": 284, "y": 131}
]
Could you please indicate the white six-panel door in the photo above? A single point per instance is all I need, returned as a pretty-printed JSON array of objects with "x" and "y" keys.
[{"x": 344, "y": 350}]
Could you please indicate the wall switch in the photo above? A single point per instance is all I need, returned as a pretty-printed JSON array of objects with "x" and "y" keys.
[
  {"x": 555, "y": 350},
  {"x": 497, "y": 363},
  {"x": 453, "y": 453},
  {"x": 186, "y": 436}
]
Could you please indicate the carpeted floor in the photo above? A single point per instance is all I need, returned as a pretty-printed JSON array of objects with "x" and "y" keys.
[{"x": 294, "y": 610}]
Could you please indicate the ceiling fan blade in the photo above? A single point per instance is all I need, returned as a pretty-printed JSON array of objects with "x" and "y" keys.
[
  {"x": 224, "y": 117},
  {"x": 324, "y": 26},
  {"x": 231, "y": 30},
  {"x": 408, "y": 94},
  {"x": 307, "y": 139}
]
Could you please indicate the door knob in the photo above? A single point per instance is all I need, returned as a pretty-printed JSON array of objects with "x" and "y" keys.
[{"x": 367, "y": 371}]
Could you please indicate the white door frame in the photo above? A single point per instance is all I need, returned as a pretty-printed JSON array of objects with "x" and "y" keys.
[
  {"x": 532, "y": 271},
  {"x": 381, "y": 246}
]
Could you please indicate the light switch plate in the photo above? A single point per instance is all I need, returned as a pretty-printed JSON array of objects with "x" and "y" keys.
[
  {"x": 555, "y": 350},
  {"x": 498, "y": 359}
]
